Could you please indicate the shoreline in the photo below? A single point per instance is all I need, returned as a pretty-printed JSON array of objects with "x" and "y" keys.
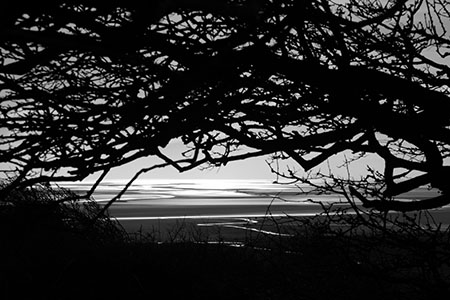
[
  {"x": 235, "y": 228},
  {"x": 201, "y": 228}
]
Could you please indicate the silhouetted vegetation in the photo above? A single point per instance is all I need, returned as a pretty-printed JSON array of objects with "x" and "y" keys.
[
  {"x": 43, "y": 212},
  {"x": 88, "y": 86},
  {"x": 48, "y": 252}
]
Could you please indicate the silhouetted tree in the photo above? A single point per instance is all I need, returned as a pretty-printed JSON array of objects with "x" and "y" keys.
[{"x": 91, "y": 85}]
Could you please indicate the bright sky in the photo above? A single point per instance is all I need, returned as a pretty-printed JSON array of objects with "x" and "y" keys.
[
  {"x": 246, "y": 169},
  {"x": 255, "y": 168}
]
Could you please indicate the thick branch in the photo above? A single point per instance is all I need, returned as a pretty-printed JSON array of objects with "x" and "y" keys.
[{"x": 401, "y": 206}]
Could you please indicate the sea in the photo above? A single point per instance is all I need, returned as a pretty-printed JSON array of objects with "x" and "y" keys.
[
  {"x": 226, "y": 203},
  {"x": 187, "y": 198}
]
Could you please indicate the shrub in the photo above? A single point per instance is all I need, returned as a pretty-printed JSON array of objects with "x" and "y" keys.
[{"x": 54, "y": 211}]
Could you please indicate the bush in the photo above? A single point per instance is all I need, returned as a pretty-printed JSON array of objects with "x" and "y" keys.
[{"x": 47, "y": 211}]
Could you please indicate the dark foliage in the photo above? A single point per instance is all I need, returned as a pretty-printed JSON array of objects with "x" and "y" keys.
[
  {"x": 53, "y": 246},
  {"x": 43, "y": 215},
  {"x": 91, "y": 85}
]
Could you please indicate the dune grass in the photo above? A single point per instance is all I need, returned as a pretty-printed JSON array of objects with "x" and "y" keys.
[{"x": 53, "y": 250}]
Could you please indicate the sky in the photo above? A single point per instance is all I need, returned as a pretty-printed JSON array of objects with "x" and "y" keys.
[{"x": 254, "y": 168}]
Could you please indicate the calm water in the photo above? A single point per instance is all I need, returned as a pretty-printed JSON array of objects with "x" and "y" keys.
[
  {"x": 233, "y": 204},
  {"x": 200, "y": 198}
]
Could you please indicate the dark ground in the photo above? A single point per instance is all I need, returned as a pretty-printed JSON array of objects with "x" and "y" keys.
[
  {"x": 37, "y": 265},
  {"x": 54, "y": 252}
]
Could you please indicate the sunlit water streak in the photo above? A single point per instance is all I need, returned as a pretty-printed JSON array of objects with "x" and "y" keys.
[
  {"x": 195, "y": 200},
  {"x": 193, "y": 192}
]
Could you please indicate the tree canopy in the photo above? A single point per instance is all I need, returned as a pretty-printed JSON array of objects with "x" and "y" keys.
[{"x": 86, "y": 86}]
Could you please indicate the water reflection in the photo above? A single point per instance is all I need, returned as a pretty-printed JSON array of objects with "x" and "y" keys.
[{"x": 232, "y": 202}]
